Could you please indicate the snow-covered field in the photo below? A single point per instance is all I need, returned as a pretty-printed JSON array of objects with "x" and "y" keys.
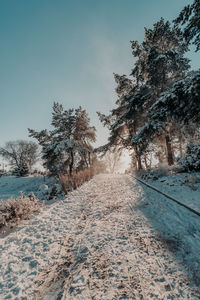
[
  {"x": 113, "y": 238},
  {"x": 11, "y": 186}
]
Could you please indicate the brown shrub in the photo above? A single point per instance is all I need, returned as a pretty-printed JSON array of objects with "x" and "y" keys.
[
  {"x": 14, "y": 210},
  {"x": 69, "y": 183}
]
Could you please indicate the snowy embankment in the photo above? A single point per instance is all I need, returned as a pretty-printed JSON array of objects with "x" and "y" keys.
[
  {"x": 111, "y": 239},
  {"x": 12, "y": 186},
  {"x": 184, "y": 187}
]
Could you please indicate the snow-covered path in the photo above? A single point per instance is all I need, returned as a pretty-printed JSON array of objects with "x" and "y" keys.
[{"x": 110, "y": 239}]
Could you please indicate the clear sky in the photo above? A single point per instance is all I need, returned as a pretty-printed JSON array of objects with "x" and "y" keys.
[{"x": 67, "y": 51}]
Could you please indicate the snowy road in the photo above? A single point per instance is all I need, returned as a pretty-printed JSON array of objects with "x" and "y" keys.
[{"x": 110, "y": 239}]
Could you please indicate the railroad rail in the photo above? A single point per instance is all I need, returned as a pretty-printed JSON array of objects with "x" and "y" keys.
[{"x": 168, "y": 196}]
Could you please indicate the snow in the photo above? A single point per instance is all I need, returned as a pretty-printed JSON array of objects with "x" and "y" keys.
[
  {"x": 112, "y": 238},
  {"x": 12, "y": 186},
  {"x": 184, "y": 187}
]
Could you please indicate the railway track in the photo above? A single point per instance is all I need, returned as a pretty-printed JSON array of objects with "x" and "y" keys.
[{"x": 168, "y": 196}]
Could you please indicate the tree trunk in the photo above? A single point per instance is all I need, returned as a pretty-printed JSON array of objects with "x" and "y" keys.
[
  {"x": 71, "y": 164},
  {"x": 138, "y": 158},
  {"x": 169, "y": 150},
  {"x": 163, "y": 80},
  {"x": 139, "y": 163},
  {"x": 180, "y": 145},
  {"x": 150, "y": 161},
  {"x": 145, "y": 161}
]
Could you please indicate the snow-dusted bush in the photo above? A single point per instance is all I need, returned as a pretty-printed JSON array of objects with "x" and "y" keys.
[
  {"x": 14, "y": 210},
  {"x": 191, "y": 160},
  {"x": 55, "y": 191},
  {"x": 22, "y": 170},
  {"x": 192, "y": 181},
  {"x": 154, "y": 174},
  {"x": 43, "y": 192}
]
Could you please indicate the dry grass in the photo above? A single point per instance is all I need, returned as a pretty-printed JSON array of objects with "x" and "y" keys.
[
  {"x": 14, "y": 210},
  {"x": 77, "y": 179}
]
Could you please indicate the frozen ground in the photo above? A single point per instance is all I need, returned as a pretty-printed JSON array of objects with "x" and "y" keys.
[
  {"x": 11, "y": 186},
  {"x": 110, "y": 239}
]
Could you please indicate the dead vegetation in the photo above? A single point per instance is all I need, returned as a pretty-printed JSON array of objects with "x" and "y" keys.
[
  {"x": 69, "y": 183},
  {"x": 14, "y": 210}
]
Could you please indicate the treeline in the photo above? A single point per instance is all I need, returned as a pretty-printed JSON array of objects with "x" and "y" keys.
[
  {"x": 158, "y": 107},
  {"x": 65, "y": 149}
]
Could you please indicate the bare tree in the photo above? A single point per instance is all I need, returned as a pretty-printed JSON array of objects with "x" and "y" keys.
[
  {"x": 113, "y": 160},
  {"x": 20, "y": 153}
]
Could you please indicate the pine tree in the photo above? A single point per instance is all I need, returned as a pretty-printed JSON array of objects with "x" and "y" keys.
[
  {"x": 22, "y": 170},
  {"x": 160, "y": 63},
  {"x": 68, "y": 145},
  {"x": 113, "y": 121},
  {"x": 160, "y": 57},
  {"x": 180, "y": 104},
  {"x": 190, "y": 17}
]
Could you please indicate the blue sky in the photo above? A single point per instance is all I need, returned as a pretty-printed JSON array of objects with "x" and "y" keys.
[{"x": 67, "y": 51}]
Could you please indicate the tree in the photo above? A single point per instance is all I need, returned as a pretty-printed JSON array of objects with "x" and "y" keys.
[
  {"x": 116, "y": 121},
  {"x": 190, "y": 17},
  {"x": 160, "y": 60},
  {"x": 191, "y": 160},
  {"x": 159, "y": 63},
  {"x": 68, "y": 145},
  {"x": 20, "y": 154},
  {"x": 22, "y": 170},
  {"x": 179, "y": 104},
  {"x": 113, "y": 160},
  {"x": 98, "y": 165}
]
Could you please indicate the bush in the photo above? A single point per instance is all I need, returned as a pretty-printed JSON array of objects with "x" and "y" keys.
[
  {"x": 22, "y": 170},
  {"x": 14, "y": 210},
  {"x": 191, "y": 160},
  {"x": 160, "y": 171},
  {"x": 78, "y": 178}
]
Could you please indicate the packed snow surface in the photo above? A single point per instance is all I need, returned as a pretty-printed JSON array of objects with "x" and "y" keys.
[{"x": 113, "y": 238}]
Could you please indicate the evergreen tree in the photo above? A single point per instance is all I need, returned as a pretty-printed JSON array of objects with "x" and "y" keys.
[
  {"x": 22, "y": 170},
  {"x": 179, "y": 104},
  {"x": 160, "y": 57},
  {"x": 68, "y": 145},
  {"x": 159, "y": 63},
  {"x": 118, "y": 129},
  {"x": 189, "y": 17}
]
